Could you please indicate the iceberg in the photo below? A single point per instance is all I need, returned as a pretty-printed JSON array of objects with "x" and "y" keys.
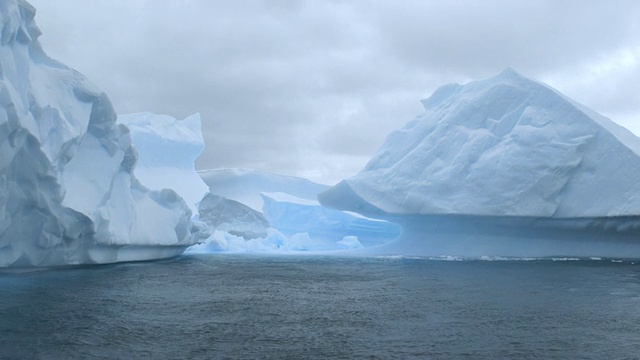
[
  {"x": 68, "y": 194},
  {"x": 292, "y": 215},
  {"x": 257, "y": 211},
  {"x": 505, "y": 166}
]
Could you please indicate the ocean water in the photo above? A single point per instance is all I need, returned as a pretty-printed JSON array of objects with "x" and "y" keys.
[{"x": 295, "y": 307}]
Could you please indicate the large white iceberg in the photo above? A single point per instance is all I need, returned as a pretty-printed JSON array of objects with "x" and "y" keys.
[
  {"x": 504, "y": 166},
  {"x": 67, "y": 193}
]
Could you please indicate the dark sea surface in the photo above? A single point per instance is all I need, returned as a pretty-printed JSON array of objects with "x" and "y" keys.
[{"x": 293, "y": 307}]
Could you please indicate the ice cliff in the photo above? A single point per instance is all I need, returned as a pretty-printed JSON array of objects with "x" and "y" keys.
[
  {"x": 67, "y": 190},
  {"x": 506, "y": 157}
]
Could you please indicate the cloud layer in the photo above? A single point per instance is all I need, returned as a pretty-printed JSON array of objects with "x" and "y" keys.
[{"x": 312, "y": 88}]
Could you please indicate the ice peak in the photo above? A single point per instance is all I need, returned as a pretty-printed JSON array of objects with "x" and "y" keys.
[
  {"x": 508, "y": 81},
  {"x": 509, "y": 78},
  {"x": 509, "y": 72}
]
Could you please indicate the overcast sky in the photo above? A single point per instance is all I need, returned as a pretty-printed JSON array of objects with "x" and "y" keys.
[{"x": 311, "y": 88}]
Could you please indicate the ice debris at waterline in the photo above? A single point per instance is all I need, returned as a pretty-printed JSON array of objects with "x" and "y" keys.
[
  {"x": 507, "y": 167},
  {"x": 257, "y": 211},
  {"x": 67, "y": 190}
]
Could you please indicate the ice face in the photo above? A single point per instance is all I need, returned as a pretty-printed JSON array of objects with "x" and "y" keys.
[
  {"x": 67, "y": 193},
  {"x": 167, "y": 150},
  {"x": 506, "y": 146}
]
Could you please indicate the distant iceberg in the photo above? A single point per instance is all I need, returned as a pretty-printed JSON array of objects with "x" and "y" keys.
[
  {"x": 233, "y": 217},
  {"x": 246, "y": 185},
  {"x": 292, "y": 215},
  {"x": 505, "y": 166},
  {"x": 257, "y": 211},
  {"x": 67, "y": 190}
]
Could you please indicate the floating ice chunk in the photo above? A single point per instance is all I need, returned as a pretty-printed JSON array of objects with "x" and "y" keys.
[
  {"x": 350, "y": 242},
  {"x": 222, "y": 241}
]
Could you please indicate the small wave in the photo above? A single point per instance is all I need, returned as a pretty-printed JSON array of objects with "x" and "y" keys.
[
  {"x": 567, "y": 259},
  {"x": 504, "y": 258}
]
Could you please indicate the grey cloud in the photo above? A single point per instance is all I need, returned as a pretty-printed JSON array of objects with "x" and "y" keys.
[
  {"x": 313, "y": 87},
  {"x": 476, "y": 37}
]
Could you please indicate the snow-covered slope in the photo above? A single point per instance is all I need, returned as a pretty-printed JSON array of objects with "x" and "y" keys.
[
  {"x": 67, "y": 193},
  {"x": 167, "y": 150},
  {"x": 506, "y": 146},
  {"x": 245, "y": 185}
]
